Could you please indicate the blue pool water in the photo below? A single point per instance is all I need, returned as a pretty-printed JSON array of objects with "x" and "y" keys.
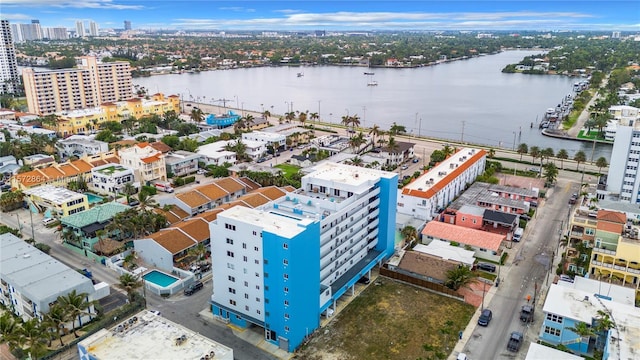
[
  {"x": 159, "y": 278},
  {"x": 93, "y": 199}
]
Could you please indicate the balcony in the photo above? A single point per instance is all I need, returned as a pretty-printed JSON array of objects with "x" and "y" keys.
[{"x": 604, "y": 251}]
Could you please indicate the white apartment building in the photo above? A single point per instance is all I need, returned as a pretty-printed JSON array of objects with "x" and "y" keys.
[
  {"x": 80, "y": 145},
  {"x": 93, "y": 28},
  {"x": 147, "y": 163},
  {"x": 181, "y": 163},
  {"x": 31, "y": 281},
  {"x": 274, "y": 139},
  {"x": 623, "y": 180},
  {"x": 215, "y": 153},
  {"x": 434, "y": 189},
  {"x": 8, "y": 65},
  {"x": 80, "y": 30},
  {"x": 109, "y": 178},
  {"x": 623, "y": 115}
]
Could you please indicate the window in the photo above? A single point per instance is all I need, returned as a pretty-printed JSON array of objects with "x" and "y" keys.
[
  {"x": 231, "y": 278},
  {"x": 551, "y": 331},
  {"x": 246, "y": 283},
  {"x": 230, "y": 241},
  {"x": 286, "y": 303},
  {"x": 286, "y": 276},
  {"x": 257, "y": 274},
  {"x": 286, "y": 289},
  {"x": 285, "y": 262},
  {"x": 246, "y": 296},
  {"x": 244, "y": 258},
  {"x": 244, "y": 245},
  {"x": 255, "y": 233},
  {"x": 232, "y": 302},
  {"x": 230, "y": 253},
  {"x": 257, "y": 287},
  {"x": 230, "y": 227},
  {"x": 285, "y": 246},
  {"x": 258, "y": 312},
  {"x": 246, "y": 307},
  {"x": 554, "y": 318},
  {"x": 230, "y": 266},
  {"x": 286, "y": 328},
  {"x": 256, "y": 248},
  {"x": 257, "y": 299},
  {"x": 286, "y": 316},
  {"x": 232, "y": 290}
]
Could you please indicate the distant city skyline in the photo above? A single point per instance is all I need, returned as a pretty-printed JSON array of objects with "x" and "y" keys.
[{"x": 331, "y": 15}]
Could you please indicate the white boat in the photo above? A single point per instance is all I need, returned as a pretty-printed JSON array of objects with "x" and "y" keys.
[
  {"x": 372, "y": 83},
  {"x": 300, "y": 74}
]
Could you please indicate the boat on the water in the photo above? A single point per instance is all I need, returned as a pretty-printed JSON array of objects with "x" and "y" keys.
[
  {"x": 300, "y": 74},
  {"x": 369, "y": 73},
  {"x": 372, "y": 83}
]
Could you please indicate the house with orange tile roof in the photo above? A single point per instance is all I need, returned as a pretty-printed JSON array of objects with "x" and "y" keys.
[
  {"x": 209, "y": 196},
  {"x": 486, "y": 245},
  {"x": 167, "y": 246},
  {"x": 424, "y": 197},
  {"x": 147, "y": 163}
]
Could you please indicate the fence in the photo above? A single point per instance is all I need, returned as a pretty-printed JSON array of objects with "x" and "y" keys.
[{"x": 439, "y": 288}]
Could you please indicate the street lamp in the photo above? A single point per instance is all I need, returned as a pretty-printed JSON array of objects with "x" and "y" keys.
[
  {"x": 236, "y": 96},
  {"x": 319, "y": 109},
  {"x": 287, "y": 103},
  {"x": 514, "y": 141}
]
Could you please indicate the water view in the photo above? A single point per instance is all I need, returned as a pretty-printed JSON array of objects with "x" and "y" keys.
[{"x": 468, "y": 100}]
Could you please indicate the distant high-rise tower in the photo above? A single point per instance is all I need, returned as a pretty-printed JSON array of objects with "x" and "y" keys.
[
  {"x": 8, "y": 64},
  {"x": 127, "y": 25},
  {"x": 93, "y": 28},
  {"x": 80, "y": 29},
  {"x": 615, "y": 35}
]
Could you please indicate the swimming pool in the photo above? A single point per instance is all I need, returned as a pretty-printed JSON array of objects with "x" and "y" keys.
[
  {"x": 159, "y": 278},
  {"x": 93, "y": 199}
]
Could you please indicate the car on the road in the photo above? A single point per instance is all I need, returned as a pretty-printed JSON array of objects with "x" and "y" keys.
[
  {"x": 155, "y": 312},
  {"x": 462, "y": 356},
  {"x": 415, "y": 160},
  {"x": 201, "y": 171},
  {"x": 134, "y": 203},
  {"x": 485, "y": 317},
  {"x": 48, "y": 221},
  {"x": 404, "y": 167},
  {"x": 194, "y": 287},
  {"x": 261, "y": 160},
  {"x": 573, "y": 199},
  {"x": 515, "y": 341}
]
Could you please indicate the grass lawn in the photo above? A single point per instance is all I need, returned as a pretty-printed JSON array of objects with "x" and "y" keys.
[
  {"x": 390, "y": 320},
  {"x": 288, "y": 169}
]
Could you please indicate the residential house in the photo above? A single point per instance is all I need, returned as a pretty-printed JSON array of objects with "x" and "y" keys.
[
  {"x": 215, "y": 154},
  {"x": 31, "y": 281},
  {"x": 8, "y": 166},
  {"x": 476, "y": 217},
  {"x": 402, "y": 152},
  {"x": 38, "y": 161},
  {"x": 111, "y": 178},
  {"x": 209, "y": 196},
  {"x": 79, "y": 230},
  {"x": 57, "y": 201},
  {"x": 148, "y": 164},
  {"x": 80, "y": 145},
  {"x": 293, "y": 132},
  {"x": 425, "y": 266},
  {"x": 181, "y": 163},
  {"x": 486, "y": 245},
  {"x": 275, "y": 140},
  {"x": 427, "y": 195}
]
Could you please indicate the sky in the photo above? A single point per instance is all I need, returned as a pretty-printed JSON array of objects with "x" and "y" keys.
[{"x": 543, "y": 15}]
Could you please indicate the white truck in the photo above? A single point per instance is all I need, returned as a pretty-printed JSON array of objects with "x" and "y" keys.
[{"x": 163, "y": 186}]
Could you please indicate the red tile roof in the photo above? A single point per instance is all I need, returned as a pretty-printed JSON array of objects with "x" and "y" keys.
[
  {"x": 152, "y": 158},
  {"x": 463, "y": 235}
]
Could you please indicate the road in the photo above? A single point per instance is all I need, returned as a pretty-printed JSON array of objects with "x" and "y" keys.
[{"x": 529, "y": 271}]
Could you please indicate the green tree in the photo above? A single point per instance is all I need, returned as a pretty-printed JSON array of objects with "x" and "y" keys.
[
  {"x": 33, "y": 336},
  {"x": 522, "y": 149},
  {"x": 459, "y": 277},
  {"x": 171, "y": 140},
  {"x": 409, "y": 233},
  {"x": 197, "y": 115},
  {"x": 600, "y": 163},
  {"x": 550, "y": 173},
  {"x": 562, "y": 155},
  {"x": 579, "y": 157},
  {"x": 57, "y": 317},
  {"x": 534, "y": 152},
  {"x": 106, "y": 136},
  {"x": 546, "y": 153},
  {"x": 583, "y": 331},
  {"x": 130, "y": 284},
  {"x": 397, "y": 129},
  {"x": 199, "y": 251},
  {"x": 76, "y": 305}
]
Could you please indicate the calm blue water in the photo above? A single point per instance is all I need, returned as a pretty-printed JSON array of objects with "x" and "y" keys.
[
  {"x": 159, "y": 278},
  {"x": 468, "y": 100},
  {"x": 93, "y": 199}
]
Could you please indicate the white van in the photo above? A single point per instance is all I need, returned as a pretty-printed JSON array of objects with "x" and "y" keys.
[
  {"x": 517, "y": 235},
  {"x": 164, "y": 186}
]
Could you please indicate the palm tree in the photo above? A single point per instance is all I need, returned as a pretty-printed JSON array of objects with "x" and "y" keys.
[
  {"x": 600, "y": 163},
  {"x": 290, "y": 116},
  {"x": 534, "y": 151},
  {"x": 522, "y": 149},
  {"x": 392, "y": 145},
  {"x": 375, "y": 131},
  {"x": 314, "y": 116},
  {"x": 33, "y": 335},
  {"x": 355, "y": 121},
  {"x": 8, "y": 328},
  {"x": 196, "y": 115},
  {"x": 57, "y": 317},
  {"x": 130, "y": 284},
  {"x": 491, "y": 153},
  {"x": 101, "y": 235},
  {"x": 546, "y": 154},
  {"x": 199, "y": 251},
  {"x": 346, "y": 121},
  {"x": 356, "y": 141},
  {"x": 459, "y": 277},
  {"x": 583, "y": 330},
  {"x": 76, "y": 306},
  {"x": 302, "y": 117},
  {"x": 266, "y": 114},
  {"x": 396, "y": 129},
  {"x": 562, "y": 155},
  {"x": 447, "y": 150},
  {"x": 409, "y": 233},
  {"x": 146, "y": 201},
  {"x": 356, "y": 161},
  {"x": 579, "y": 157}
]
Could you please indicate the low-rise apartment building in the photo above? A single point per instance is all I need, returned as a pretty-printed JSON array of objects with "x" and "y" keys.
[
  {"x": 209, "y": 196},
  {"x": 39, "y": 161},
  {"x": 80, "y": 230},
  {"x": 486, "y": 245},
  {"x": 57, "y": 201},
  {"x": 80, "y": 145},
  {"x": 277, "y": 141},
  {"x": 426, "y": 196},
  {"x": 147, "y": 163},
  {"x": 217, "y": 154},
  {"x": 181, "y": 163},
  {"x": 31, "y": 281},
  {"x": 111, "y": 178}
]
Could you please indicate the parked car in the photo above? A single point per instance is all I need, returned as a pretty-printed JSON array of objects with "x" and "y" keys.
[
  {"x": 462, "y": 356},
  {"x": 194, "y": 287},
  {"x": 415, "y": 160},
  {"x": 364, "y": 280},
  {"x": 134, "y": 203},
  {"x": 515, "y": 341},
  {"x": 526, "y": 313},
  {"x": 201, "y": 171},
  {"x": 485, "y": 317},
  {"x": 404, "y": 167},
  {"x": 486, "y": 267},
  {"x": 48, "y": 221}
]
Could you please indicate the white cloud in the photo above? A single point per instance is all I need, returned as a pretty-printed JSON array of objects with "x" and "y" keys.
[
  {"x": 90, "y": 4},
  {"x": 237, "y": 9},
  {"x": 15, "y": 17}
]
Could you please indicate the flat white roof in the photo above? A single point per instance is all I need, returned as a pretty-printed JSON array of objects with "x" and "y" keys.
[
  {"x": 54, "y": 194},
  {"x": 81, "y": 112},
  {"x": 432, "y": 177},
  {"x": 285, "y": 226},
  {"x": 617, "y": 293},
  {"x": 264, "y": 135},
  {"x": 538, "y": 352},
  {"x": 445, "y": 251},
  {"x": 346, "y": 174},
  {"x": 583, "y": 306},
  {"x": 150, "y": 336}
]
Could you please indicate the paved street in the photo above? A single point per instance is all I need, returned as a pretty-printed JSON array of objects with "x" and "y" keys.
[{"x": 528, "y": 268}]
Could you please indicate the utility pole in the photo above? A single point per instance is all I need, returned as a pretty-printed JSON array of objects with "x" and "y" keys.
[
  {"x": 462, "y": 135},
  {"x": 33, "y": 235}
]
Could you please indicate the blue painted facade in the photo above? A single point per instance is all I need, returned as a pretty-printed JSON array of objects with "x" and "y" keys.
[
  {"x": 291, "y": 287},
  {"x": 387, "y": 222},
  {"x": 222, "y": 121},
  {"x": 565, "y": 337}
]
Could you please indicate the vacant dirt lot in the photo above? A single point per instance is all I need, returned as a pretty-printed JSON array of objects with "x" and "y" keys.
[{"x": 390, "y": 320}]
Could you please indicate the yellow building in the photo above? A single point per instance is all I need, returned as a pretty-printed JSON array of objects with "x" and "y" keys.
[
  {"x": 60, "y": 201},
  {"x": 88, "y": 85},
  {"x": 87, "y": 120}
]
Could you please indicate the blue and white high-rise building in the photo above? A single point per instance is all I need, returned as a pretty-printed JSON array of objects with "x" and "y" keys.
[{"x": 284, "y": 265}]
